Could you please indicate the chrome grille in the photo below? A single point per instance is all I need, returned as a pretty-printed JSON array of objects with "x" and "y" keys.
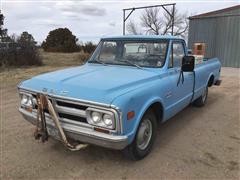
[
  {"x": 73, "y": 111},
  {"x": 70, "y": 110}
]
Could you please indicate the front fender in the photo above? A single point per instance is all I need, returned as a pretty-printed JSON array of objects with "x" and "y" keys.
[
  {"x": 138, "y": 101},
  {"x": 143, "y": 110}
]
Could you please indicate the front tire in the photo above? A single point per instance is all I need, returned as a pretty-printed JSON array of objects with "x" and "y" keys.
[
  {"x": 201, "y": 101},
  {"x": 144, "y": 138}
]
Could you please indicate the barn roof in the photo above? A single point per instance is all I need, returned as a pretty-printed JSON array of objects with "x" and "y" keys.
[{"x": 230, "y": 11}]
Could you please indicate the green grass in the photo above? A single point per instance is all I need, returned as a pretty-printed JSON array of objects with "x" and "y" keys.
[{"x": 51, "y": 62}]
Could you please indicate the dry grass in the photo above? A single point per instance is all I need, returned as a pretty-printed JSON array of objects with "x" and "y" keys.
[{"x": 51, "y": 62}]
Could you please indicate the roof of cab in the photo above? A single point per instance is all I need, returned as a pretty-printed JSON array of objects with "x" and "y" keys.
[{"x": 141, "y": 37}]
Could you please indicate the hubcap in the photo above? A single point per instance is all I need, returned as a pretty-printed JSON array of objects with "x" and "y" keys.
[{"x": 144, "y": 134}]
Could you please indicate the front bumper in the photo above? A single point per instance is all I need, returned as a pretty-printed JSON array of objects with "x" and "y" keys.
[{"x": 82, "y": 134}]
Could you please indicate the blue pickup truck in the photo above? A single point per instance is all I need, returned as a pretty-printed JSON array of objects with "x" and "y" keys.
[{"x": 120, "y": 95}]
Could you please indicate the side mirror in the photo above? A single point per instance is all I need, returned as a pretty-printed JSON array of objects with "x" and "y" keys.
[{"x": 188, "y": 63}]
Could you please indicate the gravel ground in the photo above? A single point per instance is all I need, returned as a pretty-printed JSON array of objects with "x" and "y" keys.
[{"x": 197, "y": 143}]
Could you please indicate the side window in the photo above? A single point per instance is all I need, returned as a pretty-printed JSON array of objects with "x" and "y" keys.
[{"x": 177, "y": 53}]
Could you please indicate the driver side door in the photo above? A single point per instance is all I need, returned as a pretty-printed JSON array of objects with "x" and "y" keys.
[{"x": 180, "y": 89}]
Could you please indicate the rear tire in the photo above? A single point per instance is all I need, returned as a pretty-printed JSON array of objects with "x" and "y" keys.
[
  {"x": 201, "y": 101},
  {"x": 144, "y": 138}
]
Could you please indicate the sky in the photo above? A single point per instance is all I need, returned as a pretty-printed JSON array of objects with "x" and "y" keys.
[{"x": 88, "y": 20}]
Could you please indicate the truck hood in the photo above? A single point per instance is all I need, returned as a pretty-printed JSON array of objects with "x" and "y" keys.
[{"x": 91, "y": 82}]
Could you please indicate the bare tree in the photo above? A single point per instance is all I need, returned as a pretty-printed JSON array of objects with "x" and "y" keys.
[
  {"x": 153, "y": 22},
  {"x": 181, "y": 24},
  {"x": 132, "y": 28}
]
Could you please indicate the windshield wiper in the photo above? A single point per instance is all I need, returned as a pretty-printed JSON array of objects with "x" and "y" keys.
[
  {"x": 129, "y": 62},
  {"x": 98, "y": 61}
]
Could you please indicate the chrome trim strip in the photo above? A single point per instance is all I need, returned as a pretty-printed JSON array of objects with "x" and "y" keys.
[
  {"x": 71, "y": 111},
  {"x": 120, "y": 116}
]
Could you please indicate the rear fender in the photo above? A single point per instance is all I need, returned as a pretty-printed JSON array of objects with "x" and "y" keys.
[{"x": 209, "y": 77}]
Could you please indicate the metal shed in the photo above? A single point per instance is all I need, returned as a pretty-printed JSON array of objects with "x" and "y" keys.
[{"x": 220, "y": 30}]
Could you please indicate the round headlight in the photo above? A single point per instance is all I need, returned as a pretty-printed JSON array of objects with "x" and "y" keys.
[
  {"x": 29, "y": 102},
  {"x": 96, "y": 117},
  {"x": 24, "y": 99},
  {"x": 107, "y": 119}
]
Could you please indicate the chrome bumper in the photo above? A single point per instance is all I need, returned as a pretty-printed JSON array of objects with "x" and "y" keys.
[{"x": 82, "y": 134}]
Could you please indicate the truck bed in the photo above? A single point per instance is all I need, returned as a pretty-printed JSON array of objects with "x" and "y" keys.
[{"x": 208, "y": 68}]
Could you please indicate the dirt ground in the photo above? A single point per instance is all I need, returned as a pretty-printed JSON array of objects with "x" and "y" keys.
[{"x": 197, "y": 143}]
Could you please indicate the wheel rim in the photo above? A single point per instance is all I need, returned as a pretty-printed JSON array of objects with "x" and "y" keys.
[
  {"x": 204, "y": 96},
  {"x": 144, "y": 134}
]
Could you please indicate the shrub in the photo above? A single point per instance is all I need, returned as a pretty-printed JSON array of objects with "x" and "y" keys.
[
  {"x": 88, "y": 47},
  {"x": 20, "y": 51},
  {"x": 60, "y": 40},
  {"x": 20, "y": 56}
]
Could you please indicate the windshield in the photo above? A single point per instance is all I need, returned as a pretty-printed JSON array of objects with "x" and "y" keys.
[{"x": 132, "y": 53}]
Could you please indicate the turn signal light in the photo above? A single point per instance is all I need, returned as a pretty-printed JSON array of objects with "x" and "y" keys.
[{"x": 130, "y": 115}]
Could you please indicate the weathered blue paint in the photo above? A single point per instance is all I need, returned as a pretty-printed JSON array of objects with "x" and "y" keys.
[{"x": 129, "y": 88}]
